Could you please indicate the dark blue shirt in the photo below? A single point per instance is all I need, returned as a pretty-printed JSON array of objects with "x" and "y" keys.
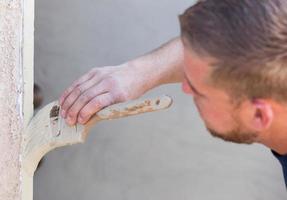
[{"x": 283, "y": 161}]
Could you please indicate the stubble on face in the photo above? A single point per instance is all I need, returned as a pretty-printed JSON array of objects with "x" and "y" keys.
[{"x": 237, "y": 135}]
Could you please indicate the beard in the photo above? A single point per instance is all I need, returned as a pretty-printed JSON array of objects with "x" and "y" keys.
[{"x": 236, "y": 136}]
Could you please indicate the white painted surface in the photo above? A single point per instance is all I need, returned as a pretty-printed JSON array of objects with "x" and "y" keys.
[
  {"x": 16, "y": 94},
  {"x": 159, "y": 156},
  {"x": 11, "y": 94},
  {"x": 28, "y": 81},
  {"x": 28, "y": 58}
]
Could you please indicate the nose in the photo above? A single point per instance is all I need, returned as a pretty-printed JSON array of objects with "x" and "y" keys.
[{"x": 186, "y": 88}]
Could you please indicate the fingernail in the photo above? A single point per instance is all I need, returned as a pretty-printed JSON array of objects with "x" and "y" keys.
[
  {"x": 63, "y": 113},
  {"x": 69, "y": 121},
  {"x": 81, "y": 120}
]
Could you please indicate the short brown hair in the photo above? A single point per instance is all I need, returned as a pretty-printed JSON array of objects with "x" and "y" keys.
[{"x": 248, "y": 38}]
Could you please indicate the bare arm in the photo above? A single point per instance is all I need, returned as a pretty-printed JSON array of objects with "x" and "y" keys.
[
  {"x": 165, "y": 64},
  {"x": 101, "y": 87}
]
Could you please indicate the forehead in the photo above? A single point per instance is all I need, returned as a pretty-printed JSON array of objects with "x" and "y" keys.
[
  {"x": 198, "y": 70},
  {"x": 196, "y": 67}
]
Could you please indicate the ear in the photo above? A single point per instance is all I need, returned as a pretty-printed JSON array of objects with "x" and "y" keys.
[{"x": 262, "y": 115}]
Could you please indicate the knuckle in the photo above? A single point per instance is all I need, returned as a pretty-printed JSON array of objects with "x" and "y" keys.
[
  {"x": 75, "y": 84},
  {"x": 84, "y": 114},
  {"x": 98, "y": 104},
  {"x": 70, "y": 100},
  {"x": 74, "y": 110},
  {"x": 77, "y": 90},
  {"x": 72, "y": 113},
  {"x": 95, "y": 71},
  {"x": 85, "y": 97},
  {"x": 67, "y": 104},
  {"x": 111, "y": 82},
  {"x": 121, "y": 95},
  {"x": 64, "y": 106},
  {"x": 67, "y": 92},
  {"x": 94, "y": 106}
]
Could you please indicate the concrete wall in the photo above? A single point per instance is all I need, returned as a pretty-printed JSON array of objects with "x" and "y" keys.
[{"x": 160, "y": 156}]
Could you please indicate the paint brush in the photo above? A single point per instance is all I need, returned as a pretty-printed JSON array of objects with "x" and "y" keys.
[{"x": 48, "y": 130}]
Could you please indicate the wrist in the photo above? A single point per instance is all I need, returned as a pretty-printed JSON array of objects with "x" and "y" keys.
[{"x": 146, "y": 74}]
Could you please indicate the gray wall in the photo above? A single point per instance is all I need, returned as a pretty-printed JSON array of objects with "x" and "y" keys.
[{"x": 161, "y": 156}]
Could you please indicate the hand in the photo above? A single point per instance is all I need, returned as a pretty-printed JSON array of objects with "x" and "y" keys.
[{"x": 98, "y": 88}]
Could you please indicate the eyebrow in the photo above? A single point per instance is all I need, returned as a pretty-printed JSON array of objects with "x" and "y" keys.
[{"x": 193, "y": 88}]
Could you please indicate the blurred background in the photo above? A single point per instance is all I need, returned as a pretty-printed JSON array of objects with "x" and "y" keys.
[{"x": 160, "y": 156}]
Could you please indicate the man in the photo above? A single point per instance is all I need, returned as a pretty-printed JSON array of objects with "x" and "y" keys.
[{"x": 231, "y": 57}]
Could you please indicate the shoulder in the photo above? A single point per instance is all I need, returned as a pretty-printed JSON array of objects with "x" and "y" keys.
[{"x": 283, "y": 160}]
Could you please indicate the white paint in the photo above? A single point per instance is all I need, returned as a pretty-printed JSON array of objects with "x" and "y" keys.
[
  {"x": 28, "y": 78},
  {"x": 11, "y": 93},
  {"x": 16, "y": 91},
  {"x": 28, "y": 58}
]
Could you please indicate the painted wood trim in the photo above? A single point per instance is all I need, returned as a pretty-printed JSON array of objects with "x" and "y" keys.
[
  {"x": 11, "y": 98},
  {"x": 28, "y": 58},
  {"x": 28, "y": 80}
]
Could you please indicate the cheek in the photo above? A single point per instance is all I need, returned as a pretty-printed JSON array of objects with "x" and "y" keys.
[{"x": 214, "y": 116}]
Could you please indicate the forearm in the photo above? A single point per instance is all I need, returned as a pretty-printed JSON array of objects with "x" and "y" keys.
[
  {"x": 101, "y": 87},
  {"x": 161, "y": 66}
]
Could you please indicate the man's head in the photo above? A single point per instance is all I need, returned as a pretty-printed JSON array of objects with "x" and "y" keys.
[{"x": 236, "y": 54}]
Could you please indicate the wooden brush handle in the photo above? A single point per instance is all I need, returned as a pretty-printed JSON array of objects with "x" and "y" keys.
[
  {"x": 132, "y": 108},
  {"x": 48, "y": 130}
]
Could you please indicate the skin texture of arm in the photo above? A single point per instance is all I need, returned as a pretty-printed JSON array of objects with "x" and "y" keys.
[
  {"x": 166, "y": 63},
  {"x": 104, "y": 86}
]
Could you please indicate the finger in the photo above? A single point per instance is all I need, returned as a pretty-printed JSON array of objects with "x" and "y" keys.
[
  {"x": 95, "y": 105},
  {"x": 82, "y": 100},
  {"x": 76, "y": 83},
  {"x": 76, "y": 93}
]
